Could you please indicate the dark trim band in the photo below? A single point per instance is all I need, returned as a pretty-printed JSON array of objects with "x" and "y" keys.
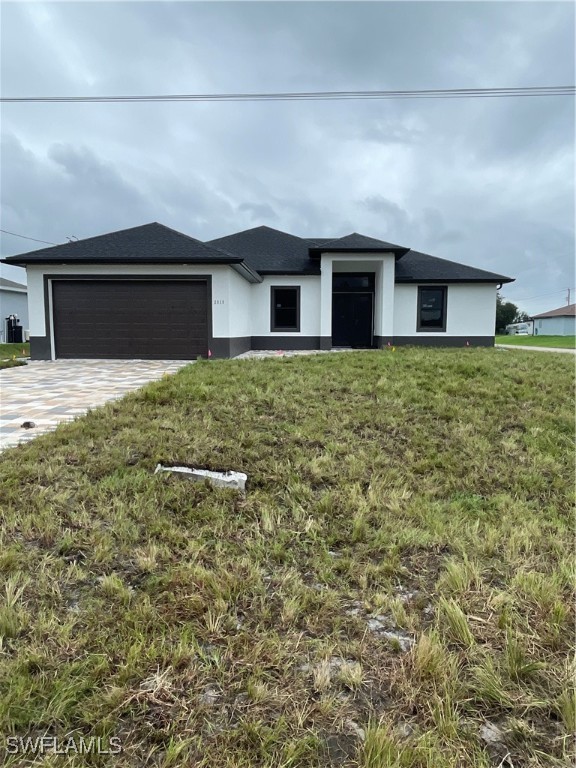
[{"x": 443, "y": 341}]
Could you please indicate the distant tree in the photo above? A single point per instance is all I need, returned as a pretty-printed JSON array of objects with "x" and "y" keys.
[
  {"x": 507, "y": 313},
  {"x": 521, "y": 317}
]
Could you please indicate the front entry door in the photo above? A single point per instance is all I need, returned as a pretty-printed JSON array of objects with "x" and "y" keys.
[{"x": 352, "y": 319}]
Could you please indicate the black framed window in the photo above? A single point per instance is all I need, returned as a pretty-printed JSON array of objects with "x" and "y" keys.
[
  {"x": 285, "y": 308},
  {"x": 432, "y": 308}
]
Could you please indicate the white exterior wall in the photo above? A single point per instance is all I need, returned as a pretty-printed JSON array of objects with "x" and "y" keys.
[
  {"x": 241, "y": 309},
  {"x": 222, "y": 277},
  {"x": 383, "y": 266},
  {"x": 471, "y": 310},
  {"x": 239, "y": 305},
  {"x": 555, "y": 326},
  {"x": 310, "y": 298}
]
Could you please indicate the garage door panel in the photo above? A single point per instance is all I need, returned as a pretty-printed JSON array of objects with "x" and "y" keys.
[{"x": 126, "y": 319}]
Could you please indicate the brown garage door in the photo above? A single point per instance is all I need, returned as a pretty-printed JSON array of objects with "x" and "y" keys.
[{"x": 130, "y": 319}]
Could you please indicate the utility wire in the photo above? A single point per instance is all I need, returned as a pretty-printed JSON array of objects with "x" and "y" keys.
[
  {"x": 445, "y": 93},
  {"x": 25, "y": 237},
  {"x": 541, "y": 295}
]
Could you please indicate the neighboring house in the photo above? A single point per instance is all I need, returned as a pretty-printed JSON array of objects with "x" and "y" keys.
[
  {"x": 13, "y": 301},
  {"x": 152, "y": 292},
  {"x": 557, "y": 322}
]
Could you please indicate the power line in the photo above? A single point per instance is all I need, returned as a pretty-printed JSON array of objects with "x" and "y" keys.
[
  {"x": 25, "y": 237},
  {"x": 541, "y": 295},
  {"x": 440, "y": 93}
]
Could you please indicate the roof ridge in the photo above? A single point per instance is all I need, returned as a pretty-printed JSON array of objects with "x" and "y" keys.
[
  {"x": 253, "y": 229},
  {"x": 203, "y": 243}
]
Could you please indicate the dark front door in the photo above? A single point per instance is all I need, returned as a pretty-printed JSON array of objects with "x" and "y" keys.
[
  {"x": 130, "y": 319},
  {"x": 352, "y": 315}
]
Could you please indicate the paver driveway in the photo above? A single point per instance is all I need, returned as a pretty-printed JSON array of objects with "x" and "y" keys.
[{"x": 50, "y": 392}]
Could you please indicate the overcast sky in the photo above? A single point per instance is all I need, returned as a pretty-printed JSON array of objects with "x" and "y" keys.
[{"x": 489, "y": 182}]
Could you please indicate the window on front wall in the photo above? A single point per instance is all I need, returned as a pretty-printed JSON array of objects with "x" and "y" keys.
[
  {"x": 285, "y": 306},
  {"x": 432, "y": 308}
]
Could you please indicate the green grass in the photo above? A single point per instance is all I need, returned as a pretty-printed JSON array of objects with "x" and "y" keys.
[
  {"x": 427, "y": 494},
  {"x": 9, "y": 351},
  {"x": 563, "y": 342}
]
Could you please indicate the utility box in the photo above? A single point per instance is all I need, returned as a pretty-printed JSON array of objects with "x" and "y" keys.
[{"x": 14, "y": 331}]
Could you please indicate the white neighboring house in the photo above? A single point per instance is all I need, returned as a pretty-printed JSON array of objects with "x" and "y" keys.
[
  {"x": 557, "y": 322},
  {"x": 152, "y": 292},
  {"x": 13, "y": 301}
]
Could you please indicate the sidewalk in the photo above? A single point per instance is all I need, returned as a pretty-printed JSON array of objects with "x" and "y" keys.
[{"x": 536, "y": 349}]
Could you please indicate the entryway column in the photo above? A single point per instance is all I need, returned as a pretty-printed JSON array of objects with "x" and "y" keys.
[
  {"x": 325, "y": 302},
  {"x": 385, "y": 298}
]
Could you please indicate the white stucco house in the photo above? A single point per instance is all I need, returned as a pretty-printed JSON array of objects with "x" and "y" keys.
[
  {"x": 13, "y": 301},
  {"x": 153, "y": 292},
  {"x": 556, "y": 322}
]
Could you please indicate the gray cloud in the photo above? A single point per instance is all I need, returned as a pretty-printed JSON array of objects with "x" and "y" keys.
[
  {"x": 259, "y": 210},
  {"x": 487, "y": 182}
]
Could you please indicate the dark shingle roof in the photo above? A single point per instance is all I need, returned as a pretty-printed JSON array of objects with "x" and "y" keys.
[
  {"x": 355, "y": 241},
  {"x": 269, "y": 250},
  {"x": 416, "y": 267},
  {"x": 568, "y": 311},
  {"x": 146, "y": 244},
  {"x": 263, "y": 249}
]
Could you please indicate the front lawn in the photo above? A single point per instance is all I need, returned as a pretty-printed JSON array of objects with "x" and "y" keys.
[
  {"x": 8, "y": 351},
  {"x": 394, "y": 589},
  {"x": 565, "y": 342}
]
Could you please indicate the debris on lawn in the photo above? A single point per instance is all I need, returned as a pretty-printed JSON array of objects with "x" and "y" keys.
[
  {"x": 352, "y": 725},
  {"x": 490, "y": 733},
  {"x": 383, "y": 626},
  {"x": 227, "y": 479},
  {"x": 210, "y": 697},
  {"x": 405, "y": 730},
  {"x": 28, "y": 425}
]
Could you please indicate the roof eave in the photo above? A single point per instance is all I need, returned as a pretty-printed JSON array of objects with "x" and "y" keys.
[
  {"x": 246, "y": 271},
  {"x": 415, "y": 280},
  {"x": 398, "y": 252},
  {"x": 289, "y": 272},
  {"x": 14, "y": 261}
]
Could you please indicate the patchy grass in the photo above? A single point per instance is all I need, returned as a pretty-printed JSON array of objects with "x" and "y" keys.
[
  {"x": 10, "y": 351},
  {"x": 562, "y": 342},
  {"x": 11, "y": 363},
  {"x": 394, "y": 589}
]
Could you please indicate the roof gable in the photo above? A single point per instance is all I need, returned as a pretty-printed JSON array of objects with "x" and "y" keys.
[
  {"x": 148, "y": 243},
  {"x": 355, "y": 241},
  {"x": 270, "y": 250}
]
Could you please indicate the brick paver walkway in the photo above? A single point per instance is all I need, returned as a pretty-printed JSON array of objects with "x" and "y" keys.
[{"x": 50, "y": 392}]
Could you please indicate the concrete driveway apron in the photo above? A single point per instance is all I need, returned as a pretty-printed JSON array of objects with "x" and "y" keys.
[{"x": 49, "y": 392}]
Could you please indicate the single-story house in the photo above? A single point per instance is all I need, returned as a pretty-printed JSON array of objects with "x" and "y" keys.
[
  {"x": 557, "y": 322},
  {"x": 153, "y": 292},
  {"x": 13, "y": 301}
]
